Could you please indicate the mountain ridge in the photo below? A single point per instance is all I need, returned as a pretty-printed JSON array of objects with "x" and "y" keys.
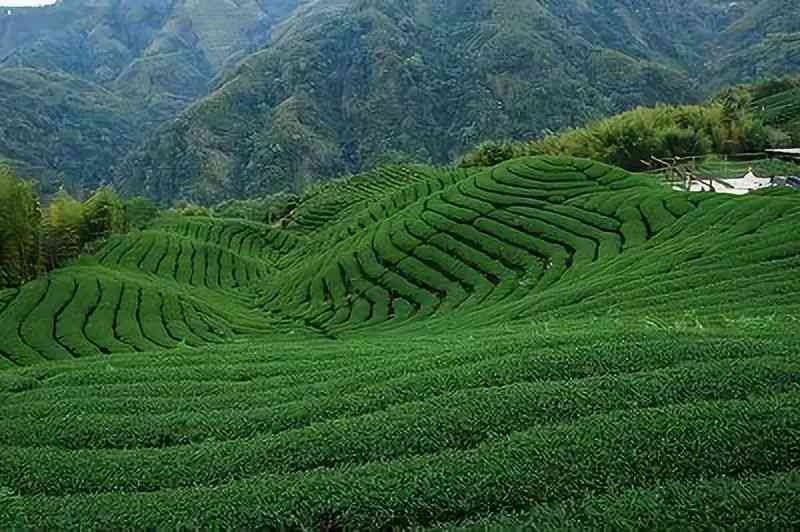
[
  {"x": 243, "y": 99},
  {"x": 425, "y": 82}
]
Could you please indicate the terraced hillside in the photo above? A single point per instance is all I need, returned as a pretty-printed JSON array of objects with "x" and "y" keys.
[
  {"x": 782, "y": 110},
  {"x": 535, "y": 237},
  {"x": 179, "y": 283},
  {"x": 551, "y": 343}
]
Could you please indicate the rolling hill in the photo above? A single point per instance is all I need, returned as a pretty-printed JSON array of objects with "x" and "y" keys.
[{"x": 551, "y": 341}]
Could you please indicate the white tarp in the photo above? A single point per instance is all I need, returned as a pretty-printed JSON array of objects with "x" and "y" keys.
[{"x": 738, "y": 186}]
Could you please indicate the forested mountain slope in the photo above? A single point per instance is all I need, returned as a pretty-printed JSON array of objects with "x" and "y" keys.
[
  {"x": 388, "y": 81},
  {"x": 164, "y": 50},
  {"x": 762, "y": 44},
  {"x": 60, "y": 129},
  {"x": 158, "y": 55},
  {"x": 334, "y": 86}
]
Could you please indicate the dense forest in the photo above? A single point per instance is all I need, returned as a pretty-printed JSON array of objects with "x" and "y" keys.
[
  {"x": 83, "y": 82},
  {"x": 204, "y": 101}
]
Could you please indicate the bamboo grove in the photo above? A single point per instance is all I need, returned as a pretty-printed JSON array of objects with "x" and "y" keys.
[{"x": 35, "y": 239}]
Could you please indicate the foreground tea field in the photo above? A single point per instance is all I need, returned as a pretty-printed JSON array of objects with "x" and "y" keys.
[
  {"x": 679, "y": 426},
  {"x": 551, "y": 343}
]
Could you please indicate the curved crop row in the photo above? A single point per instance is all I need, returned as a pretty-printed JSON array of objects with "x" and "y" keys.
[
  {"x": 543, "y": 465},
  {"x": 186, "y": 260},
  {"x": 83, "y": 311},
  {"x": 241, "y": 237},
  {"x": 368, "y": 196},
  {"x": 471, "y": 241}
]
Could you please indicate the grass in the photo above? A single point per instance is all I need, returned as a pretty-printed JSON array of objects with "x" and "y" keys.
[{"x": 551, "y": 343}]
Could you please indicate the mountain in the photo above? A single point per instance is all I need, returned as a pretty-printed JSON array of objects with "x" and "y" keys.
[
  {"x": 764, "y": 43},
  {"x": 57, "y": 128},
  {"x": 549, "y": 344},
  {"x": 164, "y": 52},
  {"x": 347, "y": 85},
  {"x": 158, "y": 55},
  {"x": 246, "y": 97}
]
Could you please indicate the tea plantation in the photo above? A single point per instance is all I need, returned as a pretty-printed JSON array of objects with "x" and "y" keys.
[{"x": 551, "y": 343}]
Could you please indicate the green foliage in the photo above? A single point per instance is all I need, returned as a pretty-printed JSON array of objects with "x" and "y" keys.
[
  {"x": 103, "y": 215},
  {"x": 630, "y": 139},
  {"x": 777, "y": 103},
  {"x": 63, "y": 230},
  {"x": 405, "y": 244},
  {"x": 716, "y": 166},
  {"x": 20, "y": 221},
  {"x": 491, "y": 153},
  {"x": 31, "y": 243},
  {"x": 62, "y": 130},
  {"x": 353, "y": 86},
  {"x": 385, "y": 83},
  {"x": 416, "y": 347},
  {"x": 191, "y": 209},
  {"x": 433, "y": 93},
  {"x": 139, "y": 213},
  {"x": 82, "y": 83},
  {"x": 339, "y": 429},
  {"x": 268, "y": 210}
]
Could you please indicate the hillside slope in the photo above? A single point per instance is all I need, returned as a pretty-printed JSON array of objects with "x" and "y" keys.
[
  {"x": 778, "y": 105},
  {"x": 537, "y": 238},
  {"x": 158, "y": 55},
  {"x": 368, "y": 82},
  {"x": 154, "y": 49},
  {"x": 763, "y": 44},
  {"x": 551, "y": 342},
  {"x": 394, "y": 81},
  {"x": 61, "y": 129}
]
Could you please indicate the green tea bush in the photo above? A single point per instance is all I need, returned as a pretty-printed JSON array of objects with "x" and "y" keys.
[
  {"x": 540, "y": 466},
  {"x": 550, "y": 341}
]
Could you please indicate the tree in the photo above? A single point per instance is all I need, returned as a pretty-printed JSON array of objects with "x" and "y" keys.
[
  {"x": 103, "y": 214},
  {"x": 20, "y": 221},
  {"x": 139, "y": 212},
  {"x": 491, "y": 153},
  {"x": 62, "y": 230}
]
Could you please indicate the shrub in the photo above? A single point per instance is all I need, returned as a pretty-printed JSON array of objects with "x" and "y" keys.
[
  {"x": 190, "y": 209},
  {"x": 491, "y": 153},
  {"x": 267, "y": 209},
  {"x": 630, "y": 139}
]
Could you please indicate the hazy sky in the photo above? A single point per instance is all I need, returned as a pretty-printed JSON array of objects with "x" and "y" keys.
[{"x": 20, "y": 3}]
